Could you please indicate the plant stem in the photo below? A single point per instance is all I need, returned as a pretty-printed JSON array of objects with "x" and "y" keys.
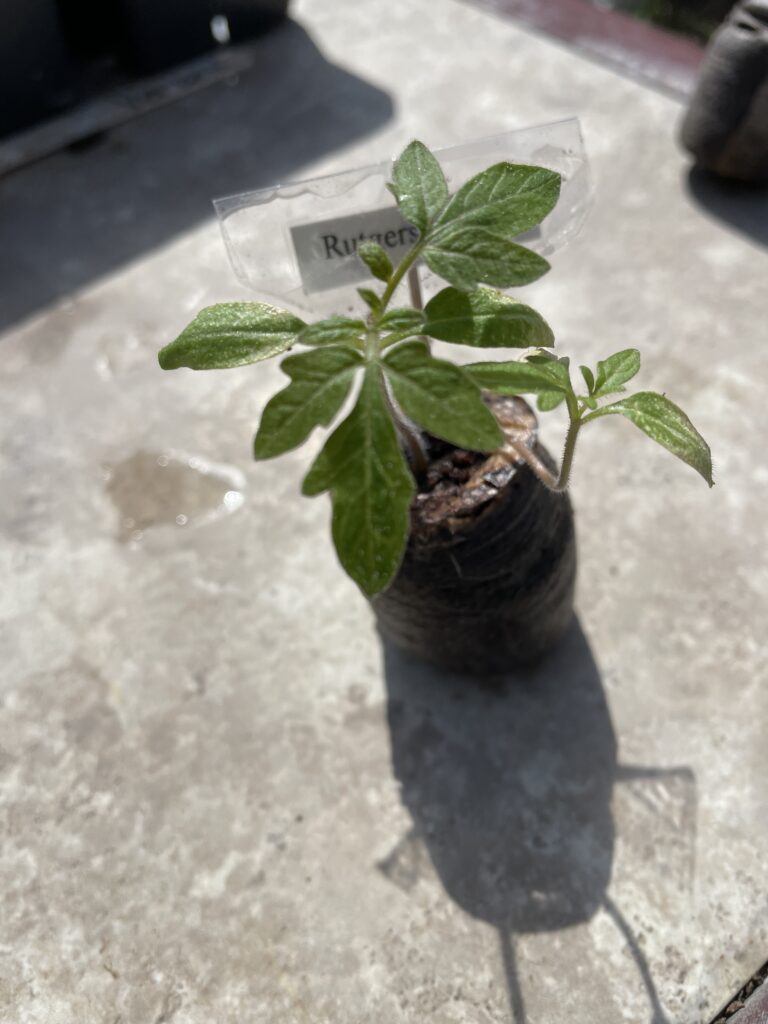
[
  {"x": 414, "y": 286},
  {"x": 402, "y": 269},
  {"x": 570, "y": 444}
]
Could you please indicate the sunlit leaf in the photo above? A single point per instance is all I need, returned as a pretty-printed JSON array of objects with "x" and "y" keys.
[
  {"x": 666, "y": 424},
  {"x": 506, "y": 198},
  {"x": 486, "y": 319},
  {"x": 472, "y": 256},
  {"x": 371, "y": 488},
  {"x": 418, "y": 185},
  {"x": 320, "y": 381},
  {"x": 232, "y": 334},
  {"x": 441, "y": 398}
]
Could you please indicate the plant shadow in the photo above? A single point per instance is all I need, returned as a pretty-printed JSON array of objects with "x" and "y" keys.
[
  {"x": 743, "y": 206},
  {"x": 510, "y": 788},
  {"x": 84, "y": 212}
]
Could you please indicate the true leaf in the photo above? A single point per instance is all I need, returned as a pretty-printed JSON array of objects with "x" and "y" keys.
[
  {"x": 615, "y": 371},
  {"x": 507, "y": 198},
  {"x": 466, "y": 258},
  {"x": 371, "y": 488},
  {"x": 486, "y": 319},
  {"x": 232, "y": 334},
  {"x": 320, "y": 382},
  {"x": 402, "y": 320},
  {"x": 336, "y": 330},
  {"x": 376, "y": 259},
  {"x": 666, "y": 424},
  {"x": 418, "y": 185},
  {"x": 441, "y": 398},
  {"x": 549, "y": 400},
  {"x": 521, "y": 378},
  {"x": 370, "y": 298},
  {"x": 589, "y": 378}
]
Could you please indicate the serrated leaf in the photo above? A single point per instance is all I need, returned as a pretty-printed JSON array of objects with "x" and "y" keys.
[
  {"x": 518, "y": 378},
  {"x": 402, "y": 320},
  {"x": 589, "y": 378},
  {"x": 336, "y": 330},
  {"x": 441, "y": 398},
  {"x": 376, "y": 259},
  {"x": 370, "y": 298},
  {"x": 549, "y": 400},
  {"x": 485, "y": 319},
  {"x": 615, "y": 371},
  {"x": 320, "y": 382},
  {"x": 371, "y": 488},
  {"x": 472, "y": 256},
  {"x": 232, "y": 334},
  {"x": 418, "y": 185},
  {"x": 666, "y": 424},
  {"x": 506, "y": 198}
]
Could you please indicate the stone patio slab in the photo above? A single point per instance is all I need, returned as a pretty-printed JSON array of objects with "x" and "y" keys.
[{"x": 222, "y": 797}]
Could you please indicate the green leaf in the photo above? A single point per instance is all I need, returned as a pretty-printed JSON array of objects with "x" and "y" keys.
[
  {"x": 320, "y": 382},
  {"x": 486, "y": 319},
  {"x": 418, "y": 185},
  {"x": 549, "y": 400},
  {"x": 589, "y": 378},
  {"x": 615, "y": 371},
  {"x": 472, "y": 256},
  {"x": 370, "y": 298},
  {"x": 371, "y": 488},
  {"x": 336, "y": 330},
  {"x": 232, "y": 334},
  {"x": 402, "y": 320},
  {"x": 441, "y": 398},
  {"x": 519, "y": 378},
  {"x": 507, "y": 198},
  {"x": 376, "y": 259},
  {"x": 666, "y": 424}
]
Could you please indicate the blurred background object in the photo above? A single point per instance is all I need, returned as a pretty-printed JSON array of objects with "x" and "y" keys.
[
  {"x": 695, "y": 18},
  {"x": 726, "y": 125},
  {"x": 53, "y": 55}
]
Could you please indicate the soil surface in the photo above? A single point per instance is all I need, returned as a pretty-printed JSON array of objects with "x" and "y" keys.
[{"x": 459, "y": 485}]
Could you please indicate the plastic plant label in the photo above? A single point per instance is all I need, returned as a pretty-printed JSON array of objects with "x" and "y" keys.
[
  {"x": 294, "y": 245},
  {"x": 323, "y": 248}
]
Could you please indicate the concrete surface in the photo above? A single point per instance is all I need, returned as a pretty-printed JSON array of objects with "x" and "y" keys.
[{"x": 222, "y": 800}]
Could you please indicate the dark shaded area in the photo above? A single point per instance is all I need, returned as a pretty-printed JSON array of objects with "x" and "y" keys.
[
  {"x": 743, "y": 206},
  {"x": 509, "y": 788},
  {"x": 81, "y": 214},
  {"x": 695, "y": 18}
]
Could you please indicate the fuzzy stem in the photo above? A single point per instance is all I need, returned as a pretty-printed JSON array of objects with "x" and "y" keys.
[
  {"x": 402, "y": 269},
  {"x": 570, "y": 444},
  {"x": 414, "y": 286},
  {"x": 515, "y": 451}
]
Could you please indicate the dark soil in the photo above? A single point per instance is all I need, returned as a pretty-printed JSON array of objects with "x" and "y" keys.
[
  {"x": 737, "y": 1003},
  {"x": 460, "y": 485}
]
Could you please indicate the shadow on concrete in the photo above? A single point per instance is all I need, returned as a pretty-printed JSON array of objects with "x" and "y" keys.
[
  {"x": 82, "y": 213},
  {"x": 743, "y": 206},
  {"x": 510, "y": 793}
]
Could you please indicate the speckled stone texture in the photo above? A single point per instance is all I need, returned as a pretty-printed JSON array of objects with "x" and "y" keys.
[{"x": 221, "y": 799}]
